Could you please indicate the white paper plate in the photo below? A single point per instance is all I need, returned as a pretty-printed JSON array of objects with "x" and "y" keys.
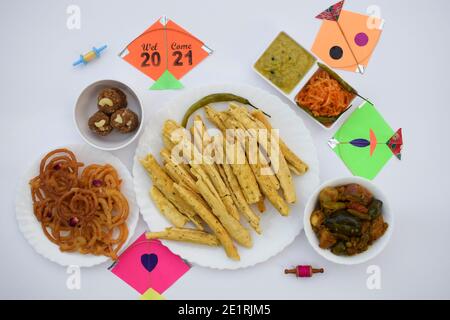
[
  {"x": 32, "y": 229},
  {"x": 277, "y": 231}
]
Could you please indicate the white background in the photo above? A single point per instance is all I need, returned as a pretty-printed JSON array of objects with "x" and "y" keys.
[{"x": 407, "y": 79}]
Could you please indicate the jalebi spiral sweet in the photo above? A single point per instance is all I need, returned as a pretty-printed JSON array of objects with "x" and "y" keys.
[{"x": 85, "y": 214}]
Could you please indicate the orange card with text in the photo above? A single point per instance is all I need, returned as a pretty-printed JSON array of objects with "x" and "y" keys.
[{"x": 165, "y": 52}]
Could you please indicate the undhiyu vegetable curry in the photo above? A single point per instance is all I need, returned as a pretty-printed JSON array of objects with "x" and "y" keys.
[{"x": 347, "y": 219}]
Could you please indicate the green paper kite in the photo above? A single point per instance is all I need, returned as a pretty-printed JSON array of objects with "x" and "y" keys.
[{"x": 365, "y": 142}]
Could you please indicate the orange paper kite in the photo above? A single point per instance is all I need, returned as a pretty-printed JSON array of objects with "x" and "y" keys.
[
  {"x": 346, "y": 40},
  {"x": 165, "y": 52}
]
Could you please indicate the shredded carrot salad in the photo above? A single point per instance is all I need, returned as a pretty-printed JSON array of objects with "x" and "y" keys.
[{"x": 324, "y": 96}]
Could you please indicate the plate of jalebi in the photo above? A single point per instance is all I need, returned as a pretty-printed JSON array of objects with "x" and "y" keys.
[{"x": 76, "y": 206}]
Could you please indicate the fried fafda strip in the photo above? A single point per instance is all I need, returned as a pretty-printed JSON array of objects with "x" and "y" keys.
[
  {"x": 265, "y": 183},
  {"x": 243, "y": 136},
  {"x": 252, "y": 126},
  {"x": 176, "y": 179},
  {"x": 214, "y": 116},
  {"x": 270, "y": 192},
  {"x": 295, "y": 170},
  {"x": 202, "y": 172},
  {"x": 165, "y": 184},
  {"x": 180, "y": 176},
  {"x": 201, "y": 136},
  {"x": 249, "y": 141},
  {"x": 182, "y": 166},
  {"x": 294, "y": 162},
  {"x": 178, "y": 138},
  {"x": 239, "y": 198},
  {"x": 185, "y": 235},
  {"x": 210, "y": 169},
  {"x": 234, "y": 228},
  {"x": 210, "y": 220},
  {"x": 198, "y": 172},
  {"x": 222, "y": 190},
  {"x": 166, "y": 151},
  {"x": 247, "y": 182},
  {"x": 283, "y": 173},
  {"x": 175, "y": 174},
  {"x": 167, "y": 143},
  {"x": 203, "y": 141},
  {"x": 167, "y": 209},
  {"x": 223, "y": 175},
  {"x": 198, "y": 131},
  {"x": 243, "y": 172}
]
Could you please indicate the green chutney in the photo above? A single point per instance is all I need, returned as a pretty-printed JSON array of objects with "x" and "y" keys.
[{"x": 285, "y": 63}]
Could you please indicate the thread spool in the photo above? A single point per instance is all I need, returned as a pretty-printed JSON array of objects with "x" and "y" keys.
[
  {"x": 303, "y": 271},
  {"x": 89, "y": 56}
]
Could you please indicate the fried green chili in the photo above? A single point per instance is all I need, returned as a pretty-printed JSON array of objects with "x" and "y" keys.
[{"x": 212, "y": 98}]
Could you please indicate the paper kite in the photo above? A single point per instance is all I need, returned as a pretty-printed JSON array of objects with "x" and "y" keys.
[
  {"x": 365, "y": 142},
  {"x": 151, "y": 294},
  {"x": 165, "y": 52},
  {"x": 149, "y": 264},
  {"x": 346, "y": 40}
]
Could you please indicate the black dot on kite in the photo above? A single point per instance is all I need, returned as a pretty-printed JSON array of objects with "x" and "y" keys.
[{"x": 336, "y": 52}]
